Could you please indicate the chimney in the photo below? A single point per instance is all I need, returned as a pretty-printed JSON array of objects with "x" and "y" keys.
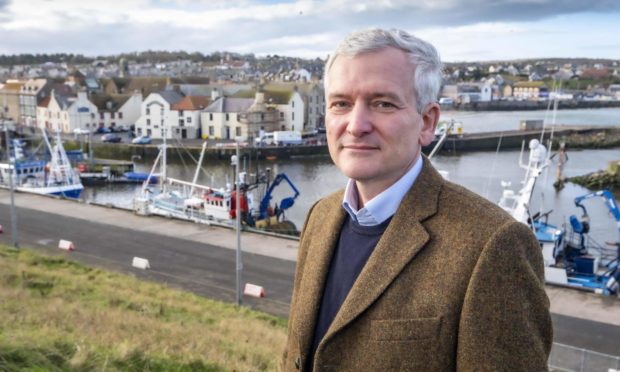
[{"x": 215, "y": 94}]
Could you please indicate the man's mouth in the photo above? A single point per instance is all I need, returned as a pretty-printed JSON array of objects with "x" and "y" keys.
[{"x": 360, "y": 147}]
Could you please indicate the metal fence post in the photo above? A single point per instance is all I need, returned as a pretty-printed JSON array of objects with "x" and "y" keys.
[{"x": 583, "y": 359}]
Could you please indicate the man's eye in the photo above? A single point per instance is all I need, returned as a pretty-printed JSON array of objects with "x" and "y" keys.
[
  {"x": 339, "y": 105},
  {"x": 384, "y": 105}
]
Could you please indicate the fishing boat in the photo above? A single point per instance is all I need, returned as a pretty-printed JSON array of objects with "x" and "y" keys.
[
  {"x": 566, "y": 263},
  {"x": 195, "y": 202},
  {"x": 55, "y": 177}
]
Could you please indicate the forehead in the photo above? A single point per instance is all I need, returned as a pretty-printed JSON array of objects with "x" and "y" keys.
[{"x": 387, "y": 69}]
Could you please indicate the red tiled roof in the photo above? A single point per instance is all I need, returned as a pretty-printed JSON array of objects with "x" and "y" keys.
[
  {"x": 192, "y": 103},
  {"x": 44, "y": 102}
]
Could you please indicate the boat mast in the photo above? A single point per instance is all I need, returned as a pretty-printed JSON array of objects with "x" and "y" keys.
[
  {"x": 198, "y": 166},
  {"x": 164, "y": 160}
]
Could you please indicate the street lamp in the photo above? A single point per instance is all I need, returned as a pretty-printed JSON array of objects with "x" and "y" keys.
[
  {"x": 11, "y": 159},
  {"x": 234, "y": 160}
]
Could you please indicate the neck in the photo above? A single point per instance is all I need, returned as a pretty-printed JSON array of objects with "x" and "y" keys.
[{"x": 368, "y": 189}]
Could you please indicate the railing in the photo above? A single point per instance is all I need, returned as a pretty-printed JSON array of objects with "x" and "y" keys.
[{"x": 567, "y": 358}]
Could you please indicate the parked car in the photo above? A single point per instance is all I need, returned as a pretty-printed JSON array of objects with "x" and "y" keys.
[
  {"x": 102, "y": 130},
  {"x": 78, "y": 131},
  {"x": 111, "y": 138},
  {"x": 142, "y": 140}
]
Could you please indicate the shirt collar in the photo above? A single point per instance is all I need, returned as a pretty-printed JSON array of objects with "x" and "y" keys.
[{"x": 384, "y": 205}]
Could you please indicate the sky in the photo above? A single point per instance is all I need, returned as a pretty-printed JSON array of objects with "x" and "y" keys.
[{"x": 472, "y": 30}]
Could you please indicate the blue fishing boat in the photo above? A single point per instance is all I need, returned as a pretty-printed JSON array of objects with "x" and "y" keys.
[{"x": 55, "y": 177}]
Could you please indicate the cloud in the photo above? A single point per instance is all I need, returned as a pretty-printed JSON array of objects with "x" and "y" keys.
[{"x": 307, "y": 28}]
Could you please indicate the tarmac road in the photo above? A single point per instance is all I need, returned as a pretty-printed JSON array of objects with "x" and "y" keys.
[
  {"x": 193, "y": 264},
  {"x": 198, "y": 267}
]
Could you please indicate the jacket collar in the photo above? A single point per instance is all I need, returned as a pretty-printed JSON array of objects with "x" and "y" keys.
[{"x": 402, "y": 240}]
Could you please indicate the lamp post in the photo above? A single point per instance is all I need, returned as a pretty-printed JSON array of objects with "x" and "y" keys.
[
  {"x": 14, "y": 240},
  {"x": 238, "y": 262}
]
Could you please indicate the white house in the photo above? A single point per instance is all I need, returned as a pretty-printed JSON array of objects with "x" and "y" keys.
[
  {"x": 155, "y": 114},
  {"x": 116, "y": 110},
  {"x": 185, "y": 116},
  {"x": 58, "y": 112},
  {"x": 221, "y": 119}
]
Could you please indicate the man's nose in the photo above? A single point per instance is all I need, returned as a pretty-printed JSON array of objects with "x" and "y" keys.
[{"x": 359, "y": 120}]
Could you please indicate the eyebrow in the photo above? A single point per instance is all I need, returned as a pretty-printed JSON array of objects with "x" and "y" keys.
[{"x": 391, "y": 96}]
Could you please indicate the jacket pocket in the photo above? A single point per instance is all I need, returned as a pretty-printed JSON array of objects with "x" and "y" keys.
[
  {"x": 404, "y": 329},
  {"x": 403, "y": 345}
]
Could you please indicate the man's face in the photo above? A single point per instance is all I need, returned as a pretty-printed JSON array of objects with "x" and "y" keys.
[{"x": 374, "y": 131}]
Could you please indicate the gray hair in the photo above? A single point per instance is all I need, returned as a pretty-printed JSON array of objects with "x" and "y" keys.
[{"x": 422, "y": 55}]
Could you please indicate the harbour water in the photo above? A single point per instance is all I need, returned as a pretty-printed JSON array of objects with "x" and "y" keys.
[
  {"x": 509, "y": 120},
  {"x": 481, "y": 172}
]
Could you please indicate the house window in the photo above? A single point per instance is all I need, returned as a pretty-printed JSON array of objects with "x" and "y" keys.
[
  {"x": 188, "y": 119},
  {"x": 180, "y": 112},
  {"x": 262, "y": 116},
  {"x": 181, "y": 122},
  {"x": 148, "y": 121},
  {"x": 139, "y": 131},
  {"x": 148, "y": 132},
  {"x": 211, "y": 130},
  {"x": 178, "y": 130},
  {"x": 101, "y": 115},
  {"x": 161, "y": 111},
  {"x": 210, "y": 117},
  {"x": 112, "y": 115},
  {"x": 148, "y": 111},
  {"x": 238, "y": 131},
  {"x": 292, "y": 103},
  {"x": 292, "y": 116},
  {"x": 120, "y": 115},
  {"x": 227, "y": 117},
  {"x": 92, "y": 115},
  {"x": 281, "y": 115}
]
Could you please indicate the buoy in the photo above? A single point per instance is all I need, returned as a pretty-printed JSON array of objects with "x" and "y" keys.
[
  {"x": 66, "y": 245},
  {"x": 140, "y": 263},
  {"x": 254, "y": 290}
]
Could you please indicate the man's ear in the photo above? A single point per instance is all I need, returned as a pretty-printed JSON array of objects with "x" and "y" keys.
[{"x": 430, "y": 118}]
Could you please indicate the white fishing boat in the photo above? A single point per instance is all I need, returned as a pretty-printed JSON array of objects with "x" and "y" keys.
[{"x": 192, "y": 201}]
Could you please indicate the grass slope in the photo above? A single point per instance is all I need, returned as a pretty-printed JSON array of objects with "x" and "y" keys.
[{"x": 58, "y": 315}]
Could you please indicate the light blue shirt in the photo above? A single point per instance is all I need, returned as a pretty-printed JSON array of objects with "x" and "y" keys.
[{"x": 384, "y": 205}]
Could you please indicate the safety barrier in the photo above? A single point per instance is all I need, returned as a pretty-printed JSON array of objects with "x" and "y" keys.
[{"x": 567, "y": 358}]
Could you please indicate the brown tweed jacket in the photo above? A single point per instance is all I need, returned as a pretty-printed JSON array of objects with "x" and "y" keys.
[{"x": 454, "y": 284}]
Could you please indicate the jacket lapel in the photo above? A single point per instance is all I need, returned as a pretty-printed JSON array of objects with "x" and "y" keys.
[
  {"x": 320, "y": 250},
  {"x": 402, "y": 240}
]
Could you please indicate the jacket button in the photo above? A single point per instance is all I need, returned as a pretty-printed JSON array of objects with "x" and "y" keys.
[{"x": 298, "y": 362}]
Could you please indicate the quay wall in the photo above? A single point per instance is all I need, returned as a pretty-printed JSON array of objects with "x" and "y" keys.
[
  {"x": 574, "y": 137},
  {"x": 529, "y": 105}
]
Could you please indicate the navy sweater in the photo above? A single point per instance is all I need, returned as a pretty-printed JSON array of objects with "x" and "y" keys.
[{"x": 355, "y": 245}]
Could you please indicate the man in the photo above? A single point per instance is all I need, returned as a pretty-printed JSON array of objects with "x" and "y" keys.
[{"x": 403, "y": 270}]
